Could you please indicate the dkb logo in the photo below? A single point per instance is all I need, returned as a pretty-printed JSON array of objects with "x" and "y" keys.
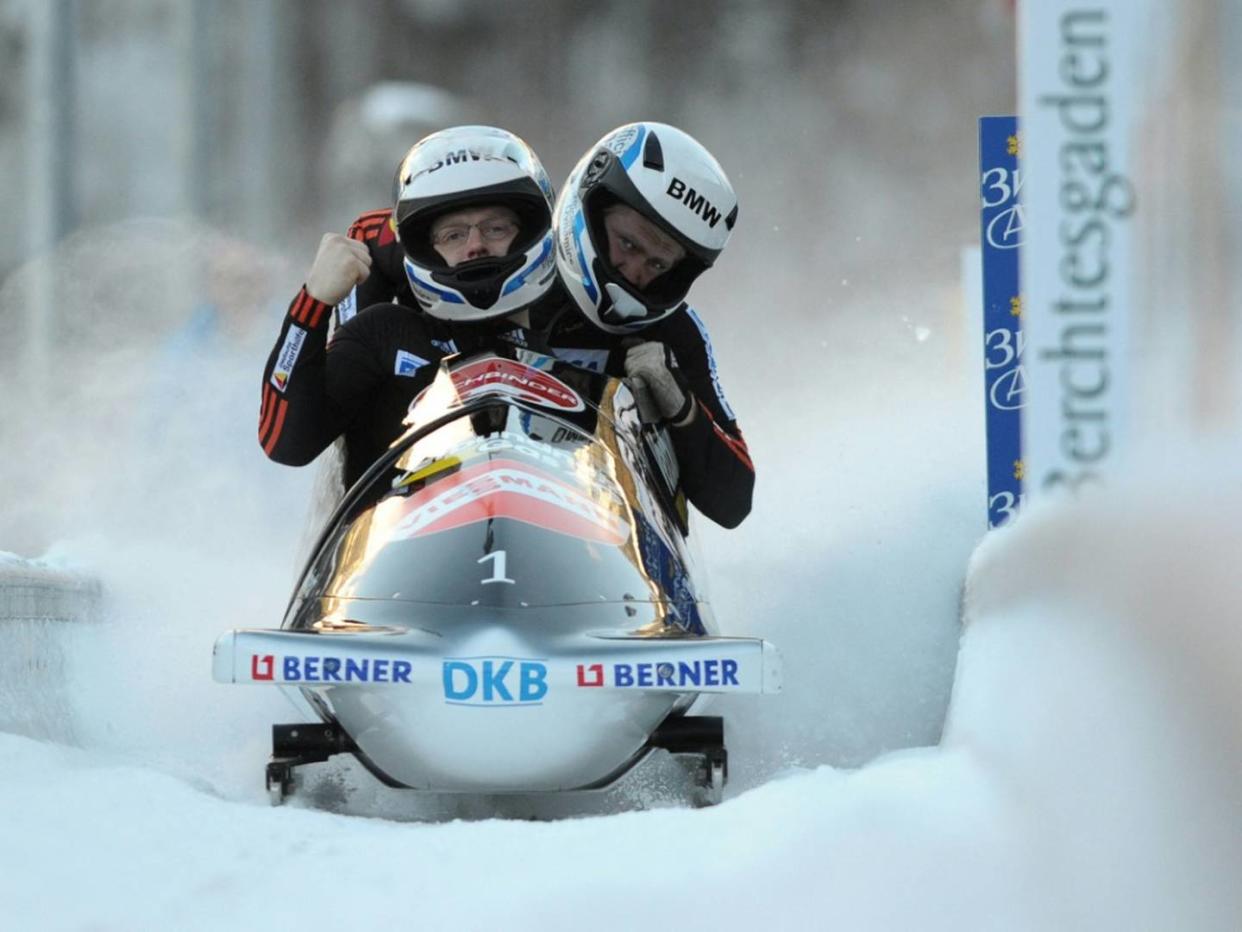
[{"x": 495, "y": 681}]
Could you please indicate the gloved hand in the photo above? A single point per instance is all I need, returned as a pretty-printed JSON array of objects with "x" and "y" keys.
[
  {"x": 339, "y": 264},
  {"x": 652, "y": 370}
]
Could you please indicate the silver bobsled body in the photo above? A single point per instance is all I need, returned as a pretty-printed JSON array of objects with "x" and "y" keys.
[{"x": 506, "y": 601}]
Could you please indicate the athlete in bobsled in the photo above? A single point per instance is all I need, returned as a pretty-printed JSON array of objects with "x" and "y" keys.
[
  {"x": 604, "y": 300},
  {"x": 504, "y": 599}
]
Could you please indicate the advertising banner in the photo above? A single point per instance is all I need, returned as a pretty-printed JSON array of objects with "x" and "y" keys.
[
  {"x": 1000, "y": 180},
  {"x": 1083, "y": 84}
]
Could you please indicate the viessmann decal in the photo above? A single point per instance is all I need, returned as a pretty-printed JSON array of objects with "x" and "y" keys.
[
  {"x": 504, "y": 488},
  {"x": 516, "y": 380}
]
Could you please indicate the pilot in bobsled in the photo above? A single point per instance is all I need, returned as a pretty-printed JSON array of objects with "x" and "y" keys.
[{"x": 514, "y": 531}]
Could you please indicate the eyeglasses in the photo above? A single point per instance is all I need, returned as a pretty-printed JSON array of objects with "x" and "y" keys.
[{"x": 456, "y": 234}]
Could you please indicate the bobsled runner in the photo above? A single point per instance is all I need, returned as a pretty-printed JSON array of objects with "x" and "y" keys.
[{"x": 505, "y": 602}]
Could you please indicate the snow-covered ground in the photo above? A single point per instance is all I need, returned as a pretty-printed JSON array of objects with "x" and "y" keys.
[{"x": 1085, "y": 779}]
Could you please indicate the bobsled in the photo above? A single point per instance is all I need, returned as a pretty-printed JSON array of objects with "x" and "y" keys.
[{"x": 506, "y": 601}]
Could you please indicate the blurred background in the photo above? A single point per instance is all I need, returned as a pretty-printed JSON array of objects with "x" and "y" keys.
[{"x": 847, "y": 126}]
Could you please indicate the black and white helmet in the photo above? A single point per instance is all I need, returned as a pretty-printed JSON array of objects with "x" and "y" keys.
[
  {"x": 670, "y": 179},
  {"x": 465, "y": 167}
]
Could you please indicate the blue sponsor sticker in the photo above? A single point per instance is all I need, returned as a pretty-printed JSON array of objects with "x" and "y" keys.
[
  {"x": 407, "y": 363},
  {"x": 665, "y": 566},
  {"x": 1004, "y": 381}
]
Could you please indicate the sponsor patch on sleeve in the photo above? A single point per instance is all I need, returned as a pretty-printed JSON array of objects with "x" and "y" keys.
[
  {"x": 408, "y": 364},
  {"x": 348, "y": 306},
  {"x": 287, "y": 357}
]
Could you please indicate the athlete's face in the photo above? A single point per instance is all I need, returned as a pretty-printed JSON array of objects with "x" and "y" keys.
[
  {"x": 637, "y": 248},
  {"x": 474, "y": 233}
]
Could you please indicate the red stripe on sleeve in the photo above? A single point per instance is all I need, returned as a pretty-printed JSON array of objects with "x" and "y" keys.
[
  {"x": 307, "y": 311},
  {"x": 266, "y": 413},
  {"x": 317, "y": 315},
  {"x": 298, "y": 311},
  {"x": 281, "y": 407},
  {"x": 736, "y": 444},
  {"x": 368, "y": 224}
]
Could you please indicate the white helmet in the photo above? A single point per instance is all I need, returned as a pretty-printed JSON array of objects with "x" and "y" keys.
[
  {"x": 669, "y": 178},
  {"x": 474, "y": 166}
]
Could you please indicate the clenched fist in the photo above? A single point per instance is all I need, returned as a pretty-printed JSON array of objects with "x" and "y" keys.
[{"x": 339, "y": 264}]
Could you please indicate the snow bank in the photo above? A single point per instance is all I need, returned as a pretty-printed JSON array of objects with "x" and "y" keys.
[{"x": 1098, "y": 684}]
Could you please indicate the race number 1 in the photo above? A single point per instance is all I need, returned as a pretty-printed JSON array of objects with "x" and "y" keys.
[{"x": 498, "y": 558}]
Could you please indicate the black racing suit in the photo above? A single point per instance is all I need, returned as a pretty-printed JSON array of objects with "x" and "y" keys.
[{"x": 362, "y": 382}]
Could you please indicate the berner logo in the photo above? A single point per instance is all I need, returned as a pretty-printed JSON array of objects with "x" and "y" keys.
[{"x": 696, "y": 202}]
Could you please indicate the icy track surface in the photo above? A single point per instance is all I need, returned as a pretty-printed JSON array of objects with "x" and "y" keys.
[{"x": 1085, "y": 779}]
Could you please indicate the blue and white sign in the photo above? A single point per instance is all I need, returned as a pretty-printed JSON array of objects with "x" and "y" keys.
[{"x": 1000, "y": 182}]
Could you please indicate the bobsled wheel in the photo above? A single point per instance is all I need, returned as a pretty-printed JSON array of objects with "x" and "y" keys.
[
  {"x": 715, "y": 781},
  {"x": 279, "y": 782},
  {"x": 712, "y": 778}
]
